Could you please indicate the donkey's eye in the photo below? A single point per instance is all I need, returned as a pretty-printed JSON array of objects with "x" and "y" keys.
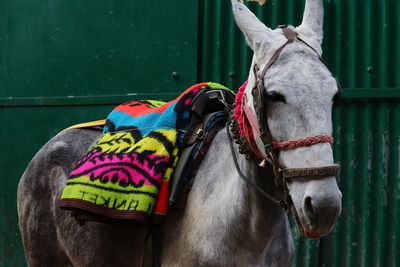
[{"x": 276, "y": 97}]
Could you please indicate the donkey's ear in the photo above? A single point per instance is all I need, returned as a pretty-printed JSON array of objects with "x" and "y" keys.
[
  {"x": 254, "y": 30},
  {"x": 312, "y": 25}
]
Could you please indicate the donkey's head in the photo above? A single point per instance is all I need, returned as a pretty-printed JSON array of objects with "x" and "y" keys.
[{"x": 299, "y": 92}]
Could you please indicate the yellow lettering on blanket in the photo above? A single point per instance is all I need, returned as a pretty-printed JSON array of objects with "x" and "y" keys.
[{"x": 116, "y": 199}]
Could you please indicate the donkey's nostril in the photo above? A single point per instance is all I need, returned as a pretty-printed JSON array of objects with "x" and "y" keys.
[{"x": 309, "y": 208}]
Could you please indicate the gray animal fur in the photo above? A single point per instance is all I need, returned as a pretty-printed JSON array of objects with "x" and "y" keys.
[{"x": 225, "y": 223}]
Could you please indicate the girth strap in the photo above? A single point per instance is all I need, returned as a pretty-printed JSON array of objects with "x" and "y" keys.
[{"x": 157, "y": 238}]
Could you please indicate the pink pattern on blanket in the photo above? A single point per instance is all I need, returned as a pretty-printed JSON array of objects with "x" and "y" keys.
[{"x": 126, "y": 169}]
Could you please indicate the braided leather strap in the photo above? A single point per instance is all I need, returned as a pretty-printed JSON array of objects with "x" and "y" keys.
[
  {"x": 309, "y": 141},
  {"x": 316, "y": 172}
]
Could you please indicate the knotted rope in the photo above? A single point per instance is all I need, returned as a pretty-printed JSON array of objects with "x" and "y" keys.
[{"x": 309, "y": 141}]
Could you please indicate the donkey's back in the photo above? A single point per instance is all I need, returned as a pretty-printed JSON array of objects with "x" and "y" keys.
[{"x": 50, "y": 235}]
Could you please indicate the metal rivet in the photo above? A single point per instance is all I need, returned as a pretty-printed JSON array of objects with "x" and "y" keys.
[{"x": 175, "y": 75}]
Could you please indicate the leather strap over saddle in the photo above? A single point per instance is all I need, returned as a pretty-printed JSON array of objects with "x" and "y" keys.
[{"x": 210, "y": 114}]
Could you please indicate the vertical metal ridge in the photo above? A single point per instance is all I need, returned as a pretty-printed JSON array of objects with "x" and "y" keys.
[
  {"x": 352, "y": 44},
  {"x": 290, "y": 14},
  {"x": 378, "y": 183},
  {"x": 306, "y": 252},
  {"x": 366, "y": 59},
  {"x": 206, "y": 40},
  {"x": 202, "y": 27},
  {"x": 328, "y": 35},
  {"x": 219, "y": 59},
  {"x": 347, "y": 231},
  {"x": 393, "y": 238},
  {"x": 393, "y": 49},
  {"x": 216, "y": 42},
  {"x": 274, "y": 13},
  {"x": 337, "y": 38},
  {"x": 330, "y": 246},
  {"x": 363, "y": 183},
  {"x": 395, "y": 55},
  {"x": 374, "y": 28},
  {"x": 231, "y": 47},
  {"x": 383, "y": 44}
]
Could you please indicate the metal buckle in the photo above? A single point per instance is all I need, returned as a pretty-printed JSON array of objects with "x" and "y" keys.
[{"x": 200, "y": 134}]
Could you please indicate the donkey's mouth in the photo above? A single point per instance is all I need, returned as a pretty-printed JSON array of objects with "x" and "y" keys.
[
  {"x": 309, "y": 231},
  {"x": 314, "y": 235},
  {"x": 308, "y": 228}
]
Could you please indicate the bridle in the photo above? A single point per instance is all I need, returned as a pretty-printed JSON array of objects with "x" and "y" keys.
[{"x": 256, "y": 124}]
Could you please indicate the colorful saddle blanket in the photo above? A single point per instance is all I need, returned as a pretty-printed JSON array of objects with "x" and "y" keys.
[{"x": 126, "y": 174}]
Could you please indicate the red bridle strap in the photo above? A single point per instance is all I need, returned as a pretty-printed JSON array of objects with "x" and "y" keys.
[{"x": 308, "y": 141}]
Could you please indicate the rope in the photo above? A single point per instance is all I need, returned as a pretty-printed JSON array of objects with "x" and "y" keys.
[{"x": 309, "y": 141}]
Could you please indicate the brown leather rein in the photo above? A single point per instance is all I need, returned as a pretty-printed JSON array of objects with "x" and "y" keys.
[{"x": 271, "y": 146}]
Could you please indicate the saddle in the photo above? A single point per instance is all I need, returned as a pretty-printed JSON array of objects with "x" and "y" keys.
[{"x": 209, "y": 111}]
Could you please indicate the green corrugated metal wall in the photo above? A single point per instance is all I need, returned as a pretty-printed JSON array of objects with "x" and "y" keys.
[
  {"x": 360, "y": 42},
  {"x": 63, "y": 62},
  {"x": 361, "y": 48}
]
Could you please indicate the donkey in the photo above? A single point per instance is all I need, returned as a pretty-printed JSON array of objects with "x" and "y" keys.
[{"x": 226, "y": 222}]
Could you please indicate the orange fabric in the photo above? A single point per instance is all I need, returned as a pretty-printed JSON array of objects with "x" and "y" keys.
[
  {"x": 162, "y": 200},
  {"x": 141, "y": 110},
  {"x": 88, "y": 124}
]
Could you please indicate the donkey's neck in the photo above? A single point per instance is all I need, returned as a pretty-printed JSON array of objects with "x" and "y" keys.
[{"x": 226, "y": 221}]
